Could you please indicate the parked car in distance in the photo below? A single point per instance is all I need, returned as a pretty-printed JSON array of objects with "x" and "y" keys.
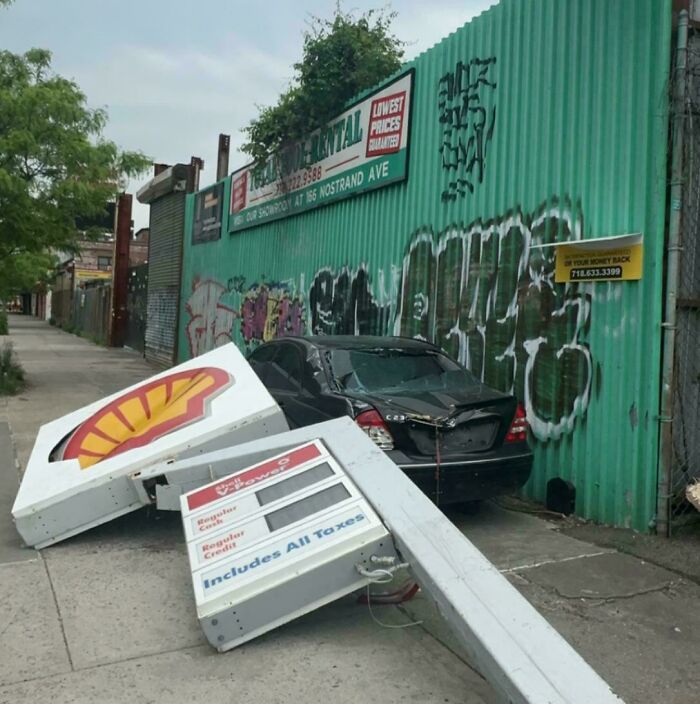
[{"x": 459, "y": 440}]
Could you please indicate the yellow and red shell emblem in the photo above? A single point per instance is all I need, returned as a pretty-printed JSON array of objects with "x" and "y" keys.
[{"x": 145, "y": 414}]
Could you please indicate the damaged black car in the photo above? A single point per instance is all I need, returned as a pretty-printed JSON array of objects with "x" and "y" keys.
[{"x": 458, "y": 439}]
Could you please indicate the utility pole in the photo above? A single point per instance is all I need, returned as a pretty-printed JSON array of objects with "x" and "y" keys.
[{"x": 120, "y": 271}]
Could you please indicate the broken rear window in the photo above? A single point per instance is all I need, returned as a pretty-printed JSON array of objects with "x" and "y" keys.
[{"x": 391, "y": 370}]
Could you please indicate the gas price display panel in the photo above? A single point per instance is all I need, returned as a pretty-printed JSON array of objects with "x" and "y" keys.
[{"x": 254, "y": 537}]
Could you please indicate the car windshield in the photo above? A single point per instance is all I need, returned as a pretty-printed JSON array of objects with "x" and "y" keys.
[{"x": 396, "y": 370}]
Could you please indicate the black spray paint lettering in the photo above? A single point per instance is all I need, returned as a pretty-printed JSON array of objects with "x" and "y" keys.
[
  {"x": 468, "y": 122},
  {"x": 342, "y": 303},
  {"x": 483, "y": 291}
]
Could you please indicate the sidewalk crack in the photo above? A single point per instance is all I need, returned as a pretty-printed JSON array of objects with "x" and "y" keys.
[
  {"x": 58, "y": 613},
  {"x": 554, "y": 561},
  {"x": 597, "y": 601},
  {"x": 9, "y": 623}
]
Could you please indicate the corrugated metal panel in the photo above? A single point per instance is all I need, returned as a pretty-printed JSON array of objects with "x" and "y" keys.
[
  {"x": 164, "y": 266},
  {"x": 578, "y": 150}
]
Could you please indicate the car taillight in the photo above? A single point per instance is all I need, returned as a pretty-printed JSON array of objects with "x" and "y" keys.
[
  {"x": 518, "y": 428},
  {"x": 375, "y": 427}
]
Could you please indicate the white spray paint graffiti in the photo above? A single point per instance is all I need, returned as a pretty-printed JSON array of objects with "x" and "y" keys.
[
  {"x": 486, "y": 293},
  {"x": 210, "y": 320}
]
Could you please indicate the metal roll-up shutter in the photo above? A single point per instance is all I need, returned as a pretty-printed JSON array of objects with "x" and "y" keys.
[{"x": 164, "y": 264}]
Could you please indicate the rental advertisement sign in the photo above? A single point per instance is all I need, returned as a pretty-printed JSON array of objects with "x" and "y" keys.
[{"x": 363, "y": 149}]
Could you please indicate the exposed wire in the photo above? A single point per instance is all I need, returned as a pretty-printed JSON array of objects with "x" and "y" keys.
[
  {"x": 401, "y": 595},
  {"x": 388, "y": 560},
  {"x": 387, "y": 625},
  {"x": 376, "y": 578}
]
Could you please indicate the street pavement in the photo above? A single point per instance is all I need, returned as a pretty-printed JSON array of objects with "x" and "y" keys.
[{"x": 109, "y": 616}]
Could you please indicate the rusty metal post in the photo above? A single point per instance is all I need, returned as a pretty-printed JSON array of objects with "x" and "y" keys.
[
  {"x": 120, "y": 271},
  {"x": 222, "y": 156},
  {"x": 196, "y": 165}
]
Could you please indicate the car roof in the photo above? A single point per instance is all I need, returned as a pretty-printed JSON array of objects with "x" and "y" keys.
[{"x": 356, "y": 342}]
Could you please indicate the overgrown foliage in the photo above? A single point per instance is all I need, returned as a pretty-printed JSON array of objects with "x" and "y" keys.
[
  {"x": 11, "y": 372},
  {"x": 341, "y": 57},
  {"x": 56, "y": 168},
  {"x": 4, "y": 329}
]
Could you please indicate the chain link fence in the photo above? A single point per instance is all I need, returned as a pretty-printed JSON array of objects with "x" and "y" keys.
[{"x": 685, "y": 467}]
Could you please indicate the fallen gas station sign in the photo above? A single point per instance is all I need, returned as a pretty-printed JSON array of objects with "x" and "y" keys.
[
  {"x": 277, "y": 540},
  {"x": 85, "y": 467},
  {"x": 280, "y": 522}
]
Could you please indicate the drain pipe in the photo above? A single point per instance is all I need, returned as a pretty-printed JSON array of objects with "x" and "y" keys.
[{"x": 672, "y": 258}]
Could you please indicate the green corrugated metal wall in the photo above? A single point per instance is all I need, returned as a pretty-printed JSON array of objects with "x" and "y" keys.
[{"x": 577, "y": 92}]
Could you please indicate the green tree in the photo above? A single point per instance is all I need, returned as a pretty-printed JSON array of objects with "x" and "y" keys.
[
  {"x": 55, "y": 166},
  {"x": 341, "y": 57}
]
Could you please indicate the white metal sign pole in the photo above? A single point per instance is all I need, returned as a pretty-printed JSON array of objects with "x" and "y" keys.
[{"x": 508, "y": 641}]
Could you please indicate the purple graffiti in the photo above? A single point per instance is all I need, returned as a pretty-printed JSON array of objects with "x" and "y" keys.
[{"x": 269, "y": 311}]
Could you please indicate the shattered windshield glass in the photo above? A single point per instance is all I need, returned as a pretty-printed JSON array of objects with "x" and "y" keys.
[{"x": 394, "y": 370}]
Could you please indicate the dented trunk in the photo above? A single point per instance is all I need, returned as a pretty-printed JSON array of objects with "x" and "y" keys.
[{"x": 443, "y": 423}]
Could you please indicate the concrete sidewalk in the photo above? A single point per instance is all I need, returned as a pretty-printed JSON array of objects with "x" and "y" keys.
[{"x": 108, "y": 616}]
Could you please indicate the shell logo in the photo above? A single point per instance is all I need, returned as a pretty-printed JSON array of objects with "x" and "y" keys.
[{"x": 146, "y": 414}]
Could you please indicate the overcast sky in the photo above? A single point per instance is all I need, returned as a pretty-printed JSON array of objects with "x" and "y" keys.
[{"x": 173, "y": 75}]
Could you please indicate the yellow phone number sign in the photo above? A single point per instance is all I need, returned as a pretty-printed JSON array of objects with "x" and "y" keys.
[{"x": 589, "y": 261}]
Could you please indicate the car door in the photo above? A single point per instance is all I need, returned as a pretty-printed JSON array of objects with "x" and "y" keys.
[
  {"x": 287, "y": 378},
  {"x": 261, "y": 359}
]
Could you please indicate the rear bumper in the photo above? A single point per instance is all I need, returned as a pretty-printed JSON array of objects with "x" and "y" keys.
[{"x": 469, "y": 479}]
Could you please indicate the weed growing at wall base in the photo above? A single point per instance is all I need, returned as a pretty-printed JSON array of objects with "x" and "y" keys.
[{"x": 11, "y": 372}]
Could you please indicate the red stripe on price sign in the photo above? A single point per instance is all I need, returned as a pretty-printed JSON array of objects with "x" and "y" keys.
[{"x": 250, "y": 477}]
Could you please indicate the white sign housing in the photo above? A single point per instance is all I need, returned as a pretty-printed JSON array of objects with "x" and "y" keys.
[{"x": 85, "y": 468}]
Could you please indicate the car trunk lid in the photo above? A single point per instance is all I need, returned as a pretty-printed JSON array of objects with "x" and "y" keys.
[{"x": 445, "y": 423}]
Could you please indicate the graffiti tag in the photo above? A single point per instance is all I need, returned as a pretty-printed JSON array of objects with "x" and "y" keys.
[
  {"x": 210, "y": 320},
  {"x": 342, "y": 303},
  {"x": 269, "y": 311},
  {"x": 486, "y": 294},
  {"x": 467, "y": 120}
]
